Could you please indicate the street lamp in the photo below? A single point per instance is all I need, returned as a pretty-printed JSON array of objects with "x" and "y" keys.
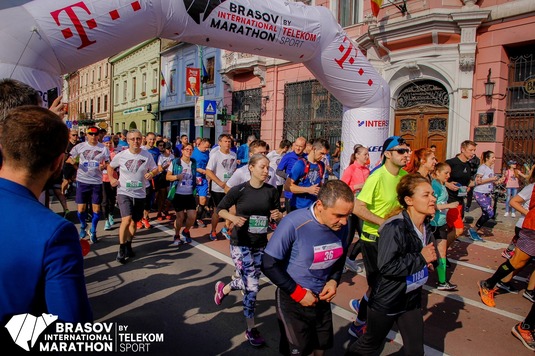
[{"x": 149, "y": 110}]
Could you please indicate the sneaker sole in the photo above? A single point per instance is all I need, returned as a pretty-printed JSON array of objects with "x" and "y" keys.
[
  {"x": 254, "y": 344},
  {"x": 528, "y": 298},
  {"x": 356, "y": 311},
  {"x": 519, "y": 337}
]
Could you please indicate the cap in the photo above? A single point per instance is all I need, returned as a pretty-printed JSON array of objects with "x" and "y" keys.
[
  {"x": 106, "y": 139},
  {"x": 392, "y": 142},
  {"x": 92, "y": 129},
  {"x": 511, "y": 162}
]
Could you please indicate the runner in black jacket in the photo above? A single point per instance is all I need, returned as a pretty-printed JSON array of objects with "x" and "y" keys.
[{"x": 405, "y": 249}]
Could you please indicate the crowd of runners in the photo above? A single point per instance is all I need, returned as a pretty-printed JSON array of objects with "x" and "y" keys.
[{"x": 400, "y": 216}]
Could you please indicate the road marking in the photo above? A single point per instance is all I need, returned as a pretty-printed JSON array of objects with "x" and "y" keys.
[{"x": 341, "y": 312}]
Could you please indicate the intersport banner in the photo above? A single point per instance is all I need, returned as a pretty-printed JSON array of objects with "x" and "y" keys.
[{"x": 43, "y": 39}]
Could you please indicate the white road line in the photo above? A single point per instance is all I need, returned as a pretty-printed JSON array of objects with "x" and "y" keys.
[{"x": 341, "y": 312}]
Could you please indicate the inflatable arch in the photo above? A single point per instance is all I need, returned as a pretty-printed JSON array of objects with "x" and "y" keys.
[{"x": 43, "y": 39}]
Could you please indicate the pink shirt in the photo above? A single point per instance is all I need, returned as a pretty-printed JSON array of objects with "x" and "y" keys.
[
  {"x": 511, "y": 180},
  {"x": 356, "y": 173}
]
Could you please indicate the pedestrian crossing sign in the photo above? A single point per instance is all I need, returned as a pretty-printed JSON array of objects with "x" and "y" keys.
[{"x": 210, "y": 107}]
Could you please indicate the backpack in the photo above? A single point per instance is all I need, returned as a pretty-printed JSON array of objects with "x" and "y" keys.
[{"x": 306, "y": 162}]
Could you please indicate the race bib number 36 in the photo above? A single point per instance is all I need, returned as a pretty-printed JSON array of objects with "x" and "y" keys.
[{"x": 326, "y": 255}]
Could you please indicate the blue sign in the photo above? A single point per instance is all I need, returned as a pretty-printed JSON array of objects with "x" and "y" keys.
[
  {"x": 69, "y": 124},
  {"x": 210, "y": 107}
]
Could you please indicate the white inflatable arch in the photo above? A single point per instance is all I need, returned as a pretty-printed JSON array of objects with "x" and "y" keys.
[{"x": 43, "y": 39}]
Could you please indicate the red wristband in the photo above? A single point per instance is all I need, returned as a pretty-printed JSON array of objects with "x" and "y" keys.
[{"x": 298, "y": 294}]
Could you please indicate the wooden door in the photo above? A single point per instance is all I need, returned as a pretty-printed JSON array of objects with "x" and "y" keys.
[{"x": 424, "y": 126}]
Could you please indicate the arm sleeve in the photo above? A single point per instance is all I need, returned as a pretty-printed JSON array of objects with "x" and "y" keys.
[
  {"x": 65, "y": 289},
  {"x": 275, "y": 270}
]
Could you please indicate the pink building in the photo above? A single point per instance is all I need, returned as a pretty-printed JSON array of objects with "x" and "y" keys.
[{"x": 435, "y": 55}]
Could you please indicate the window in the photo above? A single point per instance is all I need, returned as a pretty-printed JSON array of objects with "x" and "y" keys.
[
  {"x": 125, "y": 89},
  {"x": 134, "y": 84},
  {"x": 210, "y": 68},
  {"x": 98, "y": 105},
  {"x": 105, "y": 103},
  {"x": 144, "y": 83},
  {"x": 91, "y": 108},
  {"x": 99, "y": 73},
  {"x": 106, "y": 71},
  {"x": 348, "y": 12},
  {"x": 85, "y": 106},
  {"x": 172, "y": 84},
  {"x": 155, "y": 80},
  {"x": 116, "y": 92},
  {"x": 92, "y": 76}
]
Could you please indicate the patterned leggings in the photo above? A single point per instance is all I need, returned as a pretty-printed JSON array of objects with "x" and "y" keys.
[
  {"x": 247, "y": 261},
  {"x": 485, "y": 203}
]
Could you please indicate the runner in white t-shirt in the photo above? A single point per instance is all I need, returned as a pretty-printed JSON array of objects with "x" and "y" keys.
[
  {"x": 93, "y": 158},
  {"x": 136, "y": 168},
  {"x": 275, "y": 157},
  {"x": 220, "y": 167}
]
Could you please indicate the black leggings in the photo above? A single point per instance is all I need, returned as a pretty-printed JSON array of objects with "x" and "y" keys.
[
  {"x": 109, "y": 197},
  {"x": 354, "y": 225},
  {"x": 410, "y": 325}
]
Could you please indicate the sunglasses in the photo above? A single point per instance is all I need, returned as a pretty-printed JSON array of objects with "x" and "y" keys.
[
  {"x": 92, "y": 133},
  {"x": 401, "y": 151}
]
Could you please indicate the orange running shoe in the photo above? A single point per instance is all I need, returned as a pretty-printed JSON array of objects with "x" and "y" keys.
[
  {"x": 139, "y": 225},
  {"x": 145, "y": 223},
  {"x": 486, "y": 294}
]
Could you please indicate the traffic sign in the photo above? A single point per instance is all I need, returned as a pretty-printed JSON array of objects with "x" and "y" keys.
[{"x": 210, "y": 107}]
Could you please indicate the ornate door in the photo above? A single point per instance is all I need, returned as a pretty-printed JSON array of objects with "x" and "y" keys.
[{"x": 421, "y": 116}]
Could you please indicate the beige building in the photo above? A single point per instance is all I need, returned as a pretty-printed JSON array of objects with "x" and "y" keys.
[
  {"x": 92, "y": 97},
  {"x": 135, "y": 88}
]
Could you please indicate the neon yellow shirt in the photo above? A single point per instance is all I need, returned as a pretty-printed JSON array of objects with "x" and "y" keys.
[{"x": 379, "y": 194}]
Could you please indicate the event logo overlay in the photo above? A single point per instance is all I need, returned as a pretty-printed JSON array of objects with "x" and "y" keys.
[{"x": 33, "y": 333}]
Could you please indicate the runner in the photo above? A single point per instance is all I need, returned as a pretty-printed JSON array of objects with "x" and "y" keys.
[
  {"x": 256, "y": 203},
  {"x": 525, "y": 331},
  {"x": 423, "y": 162},
  {"x": 304, "y": 259},
  {"x": 275, "y": 158},
  {"x": 201, "y": 154},
  {"x": 93, "y": 157},
  {"x": 438, "y": 224},
  {"x": 377, "y": 198},
  {"x": 181, "y": 172},
  {"x": 109, "y": 193},
  {"x": 405, "y": 250},
  {"x": 150, "y": 147},
  {"x": 136, "y": 168},
  {"x": 286, "y": 164},
  {"x": 219, "y": 169},
  {"x": 484, "y": 185},
  {"x": 354, "y": 176}
]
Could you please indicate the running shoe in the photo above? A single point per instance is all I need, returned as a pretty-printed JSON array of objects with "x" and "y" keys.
[
  {"x": 111, "y": 220},
  {"x": 254, "y": 337},
  {"x": 474, "y": 235},
  {"x": 353, "y": 266},
  {"x": 446, "y": 286},
  {"x": 486, "y": 294},
  {"x": 506, "y": 214},
  {"x": 139, "y": 225},
  {"x": 65, "y": 213},
  {"x": 507, "y": 287},
  {"x": 121, "y": 255},
  {"x": 508, "y": 253},
  {"x": 186, "y": 236},
  {"x": 159, "y": 217},
  {"x": 225, "y": 232},
  {"x": 129, "y": 251},
  {"x": 146, "y": 223},
  {"x": 168, "y": 216},
  {"x": 357, "y": 330},
  {"x": 83, "y": 233},
  {"x": 529, "y": 295},
  {"x": 354, "y": 304},
  {"x": 177, "y": 241},
  {"x": 213, "y": 236},
  {"x": 200, "y": 223},
  {"x": 93, "y": 236},
  {"x": 107, "y": 225},
  {"x": 219, "y": 295},
  {"x": 526, "y": 336},
  {"x": 513, "y": 215}
]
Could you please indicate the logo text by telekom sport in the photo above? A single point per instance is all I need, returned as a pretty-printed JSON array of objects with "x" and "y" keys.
[{"x": 372, "y": 123}]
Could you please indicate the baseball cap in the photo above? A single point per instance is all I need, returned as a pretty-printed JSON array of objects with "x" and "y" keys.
[
  {"x": 392, "y": 142},
  {"x": 92, "y": 129}
]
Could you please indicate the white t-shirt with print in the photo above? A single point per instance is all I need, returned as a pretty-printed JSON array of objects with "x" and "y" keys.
[
  {"x": 90, "y": 158},
  {"x": 223, "y": 166},
  {"x": 243, "y": 174},
  {"x": 185, "y": 185},
  {"x": 485, "y": 172},
  {"x": 274, "y": 160},
  {"x": 133, "y": 167}
]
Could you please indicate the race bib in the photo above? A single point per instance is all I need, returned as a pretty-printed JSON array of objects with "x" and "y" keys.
[
  {"x": 258, "y": 224},
  {"x": 417, "y": 279},
  {"x": 134, "y": 184},
  {"x": 226, "y": 176},
  {"x": 91, "y": 164},
  {"x": 463, "y": 191},
  {"x": 326, "y": 255}
]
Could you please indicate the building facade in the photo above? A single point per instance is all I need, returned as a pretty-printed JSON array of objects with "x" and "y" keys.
[{"x": 135, "y": 88}]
